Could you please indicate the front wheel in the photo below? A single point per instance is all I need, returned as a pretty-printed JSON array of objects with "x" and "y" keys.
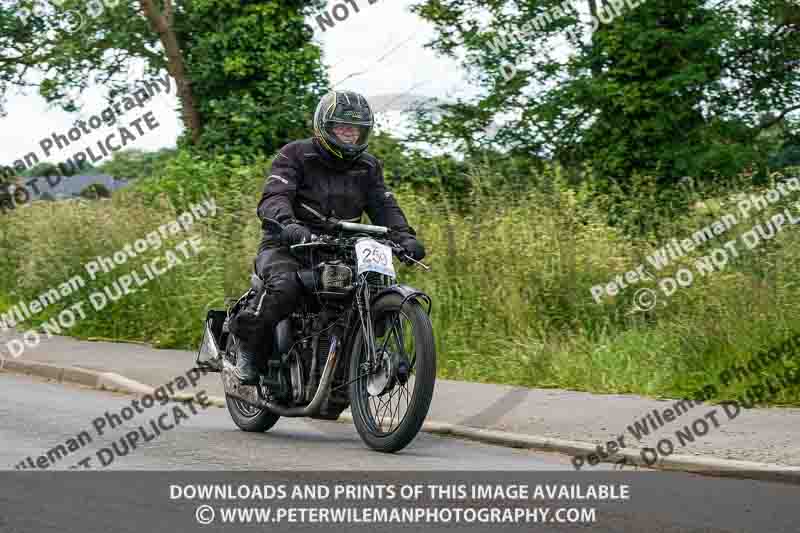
[{"x": 392, "y": 387}]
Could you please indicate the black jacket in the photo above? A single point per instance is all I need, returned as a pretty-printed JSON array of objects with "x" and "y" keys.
[{"x": 304, "y": 180}]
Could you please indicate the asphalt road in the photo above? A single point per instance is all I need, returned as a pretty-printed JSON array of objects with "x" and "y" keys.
[
  {"x": 36, "y": 416},
  {"x": 769, "y": 435}
]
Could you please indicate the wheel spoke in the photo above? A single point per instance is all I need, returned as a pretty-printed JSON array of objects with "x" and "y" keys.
[
  {"x": 381, "y": 406},
  {"x": 395, "y": 319},
  {"x": 411, "y": 353},
  {"x": 376, "y": 416},
  {"x": 394, "y": 412},
  {"x": 247, "y": 410},
  {"x": 386, "y": 408},
  {"x": 398, "y": 337},
  {"x": 391, "y": 395},
  {"x": 384, "y": 413},
  {"x": 372, "y": 401},
  {"x": 399, "y": 391}
]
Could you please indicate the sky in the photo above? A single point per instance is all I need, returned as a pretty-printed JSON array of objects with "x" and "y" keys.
[{"x": 374, "y": 51}]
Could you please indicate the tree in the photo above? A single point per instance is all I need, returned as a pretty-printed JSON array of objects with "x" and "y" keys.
[
  {"x": 258, "y": 73},
  {"x": 41, "y": 169},
  {"x": 49, "y": 169},
  {"x": 673, "y": 88},
  {"x": 786, "y": 148},
  {"x": 407, "y": 166},
  {"x": 134, "y": 163},
  {"x": 246, "y": 72}
]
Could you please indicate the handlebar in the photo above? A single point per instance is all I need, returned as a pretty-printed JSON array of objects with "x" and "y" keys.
[
  {"x": 323, "y": 240},
  {"x": 326, "y": 240}
]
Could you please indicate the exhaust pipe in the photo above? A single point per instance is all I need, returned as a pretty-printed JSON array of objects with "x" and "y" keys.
[
  {"x": 249, "y": 394},
  {"x": 322, "y": 390}
]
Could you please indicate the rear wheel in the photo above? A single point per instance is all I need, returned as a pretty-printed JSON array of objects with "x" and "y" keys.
[
  {"x": 391, "y": 389},
  {"x": 246, "y": 416}
]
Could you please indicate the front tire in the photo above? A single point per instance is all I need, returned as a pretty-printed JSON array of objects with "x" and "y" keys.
[
  {"x": 407, "y": 335},
  {"x": 247, "y": 417}
]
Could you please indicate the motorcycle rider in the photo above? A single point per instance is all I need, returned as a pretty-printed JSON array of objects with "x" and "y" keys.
[{"x": 329, "y": 176}]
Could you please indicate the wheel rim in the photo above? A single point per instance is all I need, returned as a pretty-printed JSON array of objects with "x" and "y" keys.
[
  {"x": 387, "y": 386},
  {"x": 245, "y": 409}
]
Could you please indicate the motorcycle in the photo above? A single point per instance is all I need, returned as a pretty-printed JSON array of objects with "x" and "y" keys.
[{"x": 359, "y": 339}]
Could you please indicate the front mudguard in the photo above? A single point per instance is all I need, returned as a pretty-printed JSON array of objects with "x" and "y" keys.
[{"x": 407, "y": 292}]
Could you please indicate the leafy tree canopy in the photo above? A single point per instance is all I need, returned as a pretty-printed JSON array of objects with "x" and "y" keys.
[
  {"x": 247, "y": 73},
  {"x": 674, "y": 87}
]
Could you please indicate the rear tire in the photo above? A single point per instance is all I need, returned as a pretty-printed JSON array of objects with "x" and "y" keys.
[
  {"x": 422, "y": 368},
  {"x": 247, "y": 417}
]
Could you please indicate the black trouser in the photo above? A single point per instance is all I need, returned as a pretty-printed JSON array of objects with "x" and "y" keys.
[{"x": 280, "y": 295}]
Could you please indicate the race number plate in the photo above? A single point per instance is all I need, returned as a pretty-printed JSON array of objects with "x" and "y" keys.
[{"x": 374, "y": 257}]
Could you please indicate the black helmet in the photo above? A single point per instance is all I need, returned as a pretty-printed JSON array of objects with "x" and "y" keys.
[{"x": 343, "y": 107}]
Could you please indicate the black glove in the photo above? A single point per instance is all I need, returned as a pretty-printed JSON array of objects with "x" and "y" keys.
[
  {"x": 411, "y": 246},
  {"x": 295, "y": 234}
]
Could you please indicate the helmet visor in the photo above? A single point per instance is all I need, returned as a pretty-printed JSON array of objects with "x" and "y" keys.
[{"x": 348, "y": 133}]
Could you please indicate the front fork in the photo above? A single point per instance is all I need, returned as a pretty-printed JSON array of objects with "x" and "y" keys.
[
  {"x": 365, "y": 322},
  {"x": 398, "y": 365}
]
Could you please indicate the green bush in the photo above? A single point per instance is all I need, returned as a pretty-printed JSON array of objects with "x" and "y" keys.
[
  {"x": 95, "y": 191},
  {"x": 510, "y": 278}
]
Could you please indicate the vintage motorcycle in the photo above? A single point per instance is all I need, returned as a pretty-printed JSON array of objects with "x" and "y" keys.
[{"x": 359, "y": 339}]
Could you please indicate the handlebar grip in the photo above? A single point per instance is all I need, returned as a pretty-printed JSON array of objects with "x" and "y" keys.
[{"x": 352, "y": 226}]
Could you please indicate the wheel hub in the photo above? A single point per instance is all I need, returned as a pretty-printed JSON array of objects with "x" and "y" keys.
[
  {"x": 403, "y": 371},
  {"x": 380, "y": 380}
]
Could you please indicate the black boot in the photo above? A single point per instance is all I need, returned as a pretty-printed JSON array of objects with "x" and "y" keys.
[{"x": 246, "y": 365}]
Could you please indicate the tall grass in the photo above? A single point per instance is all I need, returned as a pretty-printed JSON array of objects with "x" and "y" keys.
[{"x": 510, "y": 280}]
